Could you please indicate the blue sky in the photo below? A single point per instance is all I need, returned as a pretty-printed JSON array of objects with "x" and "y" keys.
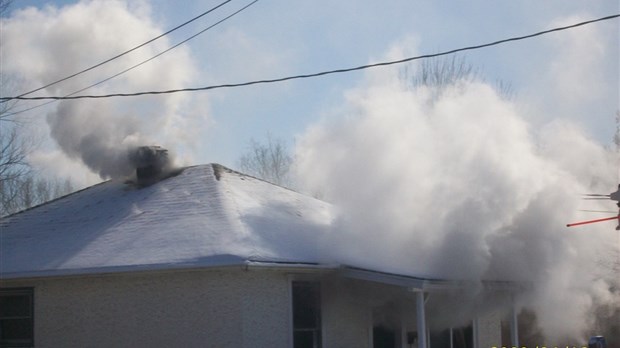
[{"x": 279, "y": 38}]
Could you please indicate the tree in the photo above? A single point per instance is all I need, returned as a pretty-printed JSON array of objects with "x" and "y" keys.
[
  {"x": 14, "y": 149},
  {"x": 269, "y": 160},
  {"x": 20, "y": 187},
  {"x": 4, "y": 5},
  {"x": 439, "y": 73},
  {"x": 13, "y": 165}
]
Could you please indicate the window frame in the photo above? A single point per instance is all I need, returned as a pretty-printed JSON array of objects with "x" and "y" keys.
[
  {"x": 293, "y": 280},
  {"x": 29, "y": 292}
]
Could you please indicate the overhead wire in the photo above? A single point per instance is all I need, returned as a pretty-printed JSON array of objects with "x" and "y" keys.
[
  {"x": 124, "y": 53},
  {"x": 139, "y": 64},
  {"x": 322, "y": 73}
]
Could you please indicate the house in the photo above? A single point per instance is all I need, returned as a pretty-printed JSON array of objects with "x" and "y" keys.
[{"x": 210, "y": 257}]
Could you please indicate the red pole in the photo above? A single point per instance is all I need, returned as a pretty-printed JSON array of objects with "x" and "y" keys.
[{"x": 592, "y": 221}]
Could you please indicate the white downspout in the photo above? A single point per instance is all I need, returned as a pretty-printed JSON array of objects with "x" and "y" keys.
[
  {"x": 476, "y": 328},
  {"x": 370, "y": 329},
  {"x": 514, "y": 326},
  {"x": 420, "y": 319}
]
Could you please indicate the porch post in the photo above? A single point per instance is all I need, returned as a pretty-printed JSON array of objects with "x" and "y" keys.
[
  {"x": 421, "y": 319},
  {"x": 428, "y": 338},
  {"x": 514, "y": 326},
  {"x": 475, "y": 329}
]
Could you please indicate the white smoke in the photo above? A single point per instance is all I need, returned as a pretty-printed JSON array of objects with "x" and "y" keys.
[
  {"x": 43, "y": 45},
  {"x": 457, "y": 185}
]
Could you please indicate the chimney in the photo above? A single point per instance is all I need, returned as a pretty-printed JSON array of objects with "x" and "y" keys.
[{"x": 151, "y": 164}]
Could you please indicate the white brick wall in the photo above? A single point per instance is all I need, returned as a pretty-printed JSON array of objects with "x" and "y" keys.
[
  {"x": 489, "y": 330},
  {"x": 231, "y": 308},
  {"x": 346, "y": 316},
  {"x": 209, "y": 308}
]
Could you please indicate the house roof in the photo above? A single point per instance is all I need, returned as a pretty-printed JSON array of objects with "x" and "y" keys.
[{"x": 205, "y": 216}]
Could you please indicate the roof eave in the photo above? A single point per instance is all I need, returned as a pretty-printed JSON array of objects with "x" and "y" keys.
[{"x": 416, "y": 284}]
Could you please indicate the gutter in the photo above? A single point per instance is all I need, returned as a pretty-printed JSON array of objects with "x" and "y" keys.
[
  {"x": 409, "y": 282},
  {"x": 289, "y": 266},
  {"x": 421, "y": 284}
]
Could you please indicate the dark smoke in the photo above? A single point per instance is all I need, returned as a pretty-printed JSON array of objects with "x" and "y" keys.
[{"x": 56, "y": 42}]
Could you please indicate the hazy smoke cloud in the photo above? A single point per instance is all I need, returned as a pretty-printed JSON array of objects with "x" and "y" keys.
[
  {"x": 43, "y": 45},
  {"x": 456, "y": 185}
]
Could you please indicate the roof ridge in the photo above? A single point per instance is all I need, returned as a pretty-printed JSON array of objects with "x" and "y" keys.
[
  {"x": 188, "y": 220},
  {"x": 218, "y": 169},
  {"x": 226, "y": 198}
]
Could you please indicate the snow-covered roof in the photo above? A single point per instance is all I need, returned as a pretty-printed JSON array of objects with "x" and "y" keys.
[{"x": 206, "y": 216}]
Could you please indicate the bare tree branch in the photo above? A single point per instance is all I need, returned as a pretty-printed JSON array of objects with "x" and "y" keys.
[
  {"x": 4, "y": 5},
  {"x": 440, "y": 73},
  {"x": 20, "y": 187},
  {"x": 269, "y": 161}
]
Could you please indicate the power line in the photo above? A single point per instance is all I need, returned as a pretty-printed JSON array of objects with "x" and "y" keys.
[
  {"x": 124, "y": 53},
  {"x": 323, "y": 73},
  {"x": 139, "y": 64}
]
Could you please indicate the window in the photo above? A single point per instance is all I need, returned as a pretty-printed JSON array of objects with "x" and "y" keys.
[
  {"x": 463, "y": 337},
  {"x": 306, "y": 314},
  {"x": 383, "y": 337},
  {"x": 16, "y": 317}
]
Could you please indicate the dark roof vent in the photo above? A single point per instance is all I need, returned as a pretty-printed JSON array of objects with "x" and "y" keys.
[{"x": 151, "y": 164}]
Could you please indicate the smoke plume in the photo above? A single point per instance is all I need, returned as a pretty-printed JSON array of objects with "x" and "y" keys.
[
  {"x": 457, "y": 185},
  {"x": 44, "y": 45}
]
